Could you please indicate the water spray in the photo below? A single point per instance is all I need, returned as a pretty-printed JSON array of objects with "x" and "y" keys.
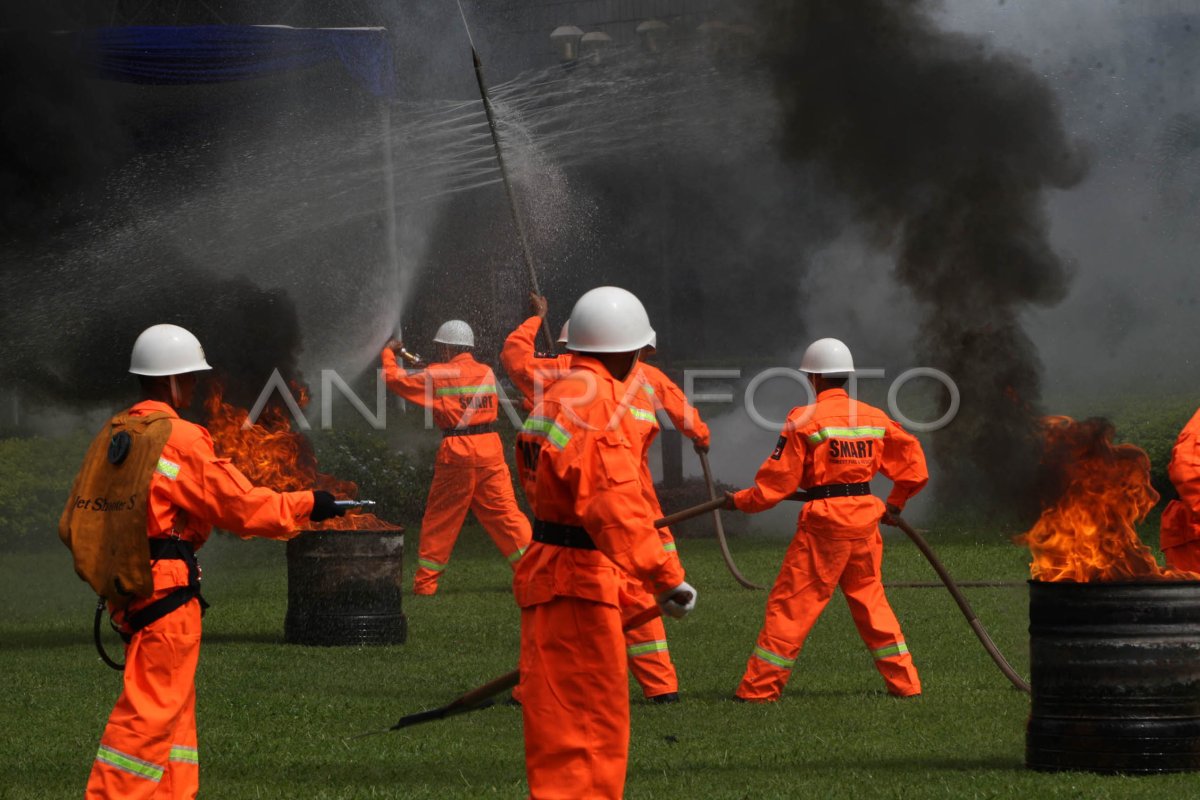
[{"x": 508, "y": 189}]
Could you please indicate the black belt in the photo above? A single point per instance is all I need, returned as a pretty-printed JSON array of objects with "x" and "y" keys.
[
  {"x": 562, "y": 535},
  {"x": 837, "y": 490},
  {"x": 169, "y": 550},
  {"x": 172, "y": 550},
  {"x": 470, "y": 430}
]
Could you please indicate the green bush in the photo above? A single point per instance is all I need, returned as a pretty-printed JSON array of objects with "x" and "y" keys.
[
  {"x": 397, "y": 481},
  {"x": 36, "y": 474},
  {"x": 1151, "y": 423}
]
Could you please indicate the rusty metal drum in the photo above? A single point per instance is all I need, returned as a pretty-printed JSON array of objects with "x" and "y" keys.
[
  {"x": 344, "y": 588},
  {"x": 1115, "y": 672}
]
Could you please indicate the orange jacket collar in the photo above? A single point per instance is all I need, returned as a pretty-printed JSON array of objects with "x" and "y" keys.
[
  {"x": 460, "y": 357},
  {"x": 150, "y": 406}
]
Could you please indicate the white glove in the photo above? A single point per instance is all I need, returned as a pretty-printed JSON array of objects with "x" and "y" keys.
[{"x": 669, "y": 605}]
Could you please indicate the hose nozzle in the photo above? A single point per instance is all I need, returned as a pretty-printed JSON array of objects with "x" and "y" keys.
[{"x": 355, "y": 505}]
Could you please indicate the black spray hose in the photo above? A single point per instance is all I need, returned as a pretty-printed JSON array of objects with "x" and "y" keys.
[
  {"x": 728, "y": 556},
  {"x": 100, "y": 604},
  {"x": 963, "y": 605}
]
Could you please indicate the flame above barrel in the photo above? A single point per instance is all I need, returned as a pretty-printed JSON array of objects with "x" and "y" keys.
[
  {"x": 269, "y": 453},
  {"x": 1097, "y": 492}
]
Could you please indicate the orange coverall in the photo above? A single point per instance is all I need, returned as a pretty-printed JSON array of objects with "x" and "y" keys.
[
  {"x": 469, "y": 472},
  {"x": 646, "y": 645},
  {"x": 148, "y": 749},
  {"x": 837, "y": 542},
  {"x": 580, "y": 457},
  {"x": 1180, "y": 531}
]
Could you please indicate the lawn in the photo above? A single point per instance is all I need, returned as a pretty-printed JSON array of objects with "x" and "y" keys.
[{"x": 273, "y": 717}]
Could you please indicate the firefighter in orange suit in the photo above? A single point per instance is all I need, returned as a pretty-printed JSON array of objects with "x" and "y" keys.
[
  {"x": 580, "y": 455},
  {"x": 832, "y": 449},
  {"x": 649, "y": 656},
  {"x": 1180, "y": 532},
  {"x": 148, "y": 749},
  {"x": 470, "y": 472}
]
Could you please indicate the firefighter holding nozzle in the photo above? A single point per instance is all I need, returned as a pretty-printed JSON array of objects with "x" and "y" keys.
[
  {"x": 147, "y": 497},
  {"x": 832, "y": 449},
  {"x": 469, "y": 473}
]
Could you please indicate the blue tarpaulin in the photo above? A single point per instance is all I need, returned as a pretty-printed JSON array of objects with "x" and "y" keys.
[{"x": 217, "y": 53}]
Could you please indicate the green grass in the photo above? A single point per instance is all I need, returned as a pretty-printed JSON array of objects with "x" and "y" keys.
[{"x": 273, "y": 716}]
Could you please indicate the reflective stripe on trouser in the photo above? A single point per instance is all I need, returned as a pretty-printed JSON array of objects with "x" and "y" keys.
[
  {"x": 646, "y": 646},
  {"x": 574, "y": 700},
  {"x": 148, "y": 749},
  {"x": 811, "y": 570},
  {"x": 486, "y": 491}
]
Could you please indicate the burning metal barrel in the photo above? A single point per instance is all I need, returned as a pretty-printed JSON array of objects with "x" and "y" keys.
[
  {"x": 1116, "y": 676},
  {"x": 344, "y": 588}
]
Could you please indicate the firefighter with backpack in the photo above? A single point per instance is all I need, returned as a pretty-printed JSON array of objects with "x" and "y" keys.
[{"x": 147, "y": 497}]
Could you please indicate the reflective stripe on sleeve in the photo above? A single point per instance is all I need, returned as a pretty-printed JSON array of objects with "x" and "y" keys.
[
  {"x": 548, "y": 429},
  {"x": 516, "y": 556},
  {"x": 647, "y": 648},
  {"x": 185, "y": 754},
  {"x": 642, "y": 414},
  {"x": 774, "y": 658},
  {"x": 845, "y": 433},
  {"x": 167, "y": 468},
  {"x": 127, "y": 763},
  {"x": 669, "y": 547},
  {"x": 442, "y": 391},
  {"x": 897, "y": 649}
]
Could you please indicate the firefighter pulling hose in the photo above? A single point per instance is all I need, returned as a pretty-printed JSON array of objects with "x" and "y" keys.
[
  {"x": 925, "y": 549},
  {"x": 948, "y": 581}
]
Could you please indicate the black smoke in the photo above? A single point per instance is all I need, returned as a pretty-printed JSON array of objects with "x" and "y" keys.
[
  {"x": 89, "y": 169},
  {"x": 946, "y": 148},
  {"x": 59, "y": 130}
]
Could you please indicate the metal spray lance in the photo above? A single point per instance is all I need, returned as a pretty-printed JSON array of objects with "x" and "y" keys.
[
  {"x": 410, "y": 358},
  {"x": 512, "y": 198}
]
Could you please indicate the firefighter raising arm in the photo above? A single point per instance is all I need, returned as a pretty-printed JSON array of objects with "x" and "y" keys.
[{"x": 580, "y": 454}]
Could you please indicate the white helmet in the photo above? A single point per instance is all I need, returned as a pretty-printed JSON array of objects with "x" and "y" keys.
[
  {"x": 166, "y": 350},
  {"x": 653, "y": 343},
  {"x": 827, "y": 357},
  {"x": 562, "y": 334},
  {"x": 609, "y": 320},
  {"x": 455, "y": 332}
]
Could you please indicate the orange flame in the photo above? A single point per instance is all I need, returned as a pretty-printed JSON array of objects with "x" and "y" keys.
[
  {"x": 269, "y": 453},
  {"x": 1087, "y": 534}
]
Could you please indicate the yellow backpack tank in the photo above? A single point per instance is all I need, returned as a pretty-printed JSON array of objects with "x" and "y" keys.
[{"x": 104, "y": 523}]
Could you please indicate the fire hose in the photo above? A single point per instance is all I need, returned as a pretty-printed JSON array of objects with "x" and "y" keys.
[
  {"x": 478, "y": 697},
  {"x": 963, "y": 606},
  {"x": 712, "y": 493},
  {"x": 508, "y": 189}
]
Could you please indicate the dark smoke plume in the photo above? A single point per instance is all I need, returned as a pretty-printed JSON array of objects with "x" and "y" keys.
[
  {"x": 82, "y": 358},
  {"x": 59, "y": 132},
  {"x": 945, "y": 148}
]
